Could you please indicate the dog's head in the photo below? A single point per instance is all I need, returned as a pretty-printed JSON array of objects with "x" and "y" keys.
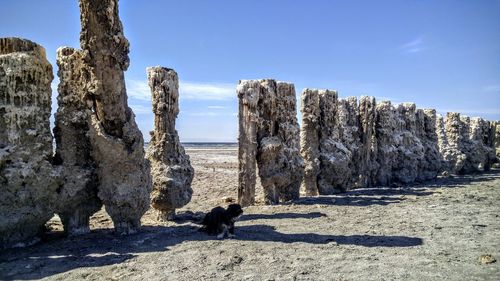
[{"x": 234, "y": 210}]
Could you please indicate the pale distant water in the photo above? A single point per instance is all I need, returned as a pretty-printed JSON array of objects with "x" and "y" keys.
[{"x": 206, "y": 145}]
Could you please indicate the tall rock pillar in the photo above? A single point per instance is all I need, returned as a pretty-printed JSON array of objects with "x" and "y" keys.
[
  {"x": 171, "y": 170},
  {"x": 117, "y": 143},
  {"x": 28, "y": 182},
  {"x": 77, "y": 197}
]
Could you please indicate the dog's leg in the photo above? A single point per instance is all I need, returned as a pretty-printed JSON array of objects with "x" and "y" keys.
[
  {"x": 231, "y": 231},
  {"x": 223, "y": 233}
]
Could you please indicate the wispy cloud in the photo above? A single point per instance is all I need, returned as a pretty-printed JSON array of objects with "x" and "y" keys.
[
  {"x": 211, "y": 114},
  {"x": 417, "y": 45},
  {"x": 217, "y": 107},
  {"x": 188, "y": 90}
]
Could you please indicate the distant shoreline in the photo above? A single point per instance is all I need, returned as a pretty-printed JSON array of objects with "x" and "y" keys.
[{"x": 206, "y": 145}]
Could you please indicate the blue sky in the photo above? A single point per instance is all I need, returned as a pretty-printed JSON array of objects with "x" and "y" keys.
[{"x": 439, "y": 54}]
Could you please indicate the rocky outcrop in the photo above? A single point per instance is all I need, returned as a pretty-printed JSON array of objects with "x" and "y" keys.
[
  {"x": 336, "y": 138},
  {"x": 366, "y": 162},
  {"x": 451, "y": 142},
  {"x": 270, "y": 132},
  {"x": 117, "y": 143},
  {"x": 496, "y": 139},
  {"x": 309, "y": 140},
  {"x": 430, "y": 165},
  {"x": 410, "y": 151},
  {"x": 77, "y": 196},
  {"x": 28, "y": 182},
  {"x": 248, "y": 116},
  {"x": 171, "y": 170},
  {"x": 386, "y": 126}
]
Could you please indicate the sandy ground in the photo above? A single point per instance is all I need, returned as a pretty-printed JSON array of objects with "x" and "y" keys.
[{"x": 436, "y": 231}]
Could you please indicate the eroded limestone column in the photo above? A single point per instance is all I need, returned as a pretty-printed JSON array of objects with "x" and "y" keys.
[
  {"x": 117, "y": 143},
  {"x": 269, "y": 137},
  {"x": 171, "y": 169},
  {"x": 334, "y": 156},
  {"x": 386, "y": 127},
  {"x": 431, "y": 164},
  {"x": 289, "y": 132},
  {"x": 278, "y": 153},
  {"x": 77, "y": 196},
  {"x": 248, "y": 95},
  {"x": 410, "y": 151},
  {"x": 367, "y": 161},
  {"x": 452, "y": 155},
  {"x": 28, "y": 182},
  {"x": 309, "y": 142}
]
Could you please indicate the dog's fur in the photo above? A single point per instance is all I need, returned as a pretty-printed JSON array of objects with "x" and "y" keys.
[{"x": 220, "y": 221}]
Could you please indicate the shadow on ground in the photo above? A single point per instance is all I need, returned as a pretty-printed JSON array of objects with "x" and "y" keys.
[
  {"x": 363, "y": 197},
  {"x": 102, "y": 247}
]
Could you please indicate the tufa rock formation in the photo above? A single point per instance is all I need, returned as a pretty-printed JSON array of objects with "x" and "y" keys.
[
  {"x": 28, "y": 182},
  {"x": 117, "y": 143},
  {"x": 270, "y": 132},
  {"x": 410, "y": 151},
  {"x": 386, "y": 126},
  {"x": 309, "y": 140},
  {"x": 427, "y": 133},
  {"x": 77, "y": 197},
  {"x": 248, "y": 96},
  {"x": 366, "y": 163},
  {"x": 170, "y": 167}
]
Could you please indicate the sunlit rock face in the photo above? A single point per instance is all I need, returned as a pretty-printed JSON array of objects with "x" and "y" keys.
[
  {"x": 171, "y": 170},
  {"x": 248, "y": 96},
  {"x": 309, "y": 140},
  {"x": 268, "y": 125},
  {"x": 77, "y": 197},
  {"x": 117, "y": 143},
  {"x": 430, "y": 165},
  {"x": 28, "y": 181}
]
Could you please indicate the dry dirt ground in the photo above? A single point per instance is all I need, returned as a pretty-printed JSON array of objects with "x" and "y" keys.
[{"x": 442, "y": 230}]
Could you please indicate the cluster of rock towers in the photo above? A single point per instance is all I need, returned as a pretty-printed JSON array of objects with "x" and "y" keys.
[
  {"x": 346, "y": 143},
  {"x": 99, "y": 157}
]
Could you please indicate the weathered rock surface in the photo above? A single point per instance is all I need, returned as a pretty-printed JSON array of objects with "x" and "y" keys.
[
  {"x": 270, "y": 132},
  {"x": 28, "y": 182},
  {"x": 496, "y": 138},
  {"x": 171, "y": 170},
  {"x": 336, "y": 139},
  {"x": 248, "y": 116},
  {"x": 450, "y": 143},
  {"x": 427, "y": 133},
  {"x": 410, "y": 151},
  {"x": 77, "y": 197},
  {"x": 117, "y": 143},
  {"x": 385, "y": 126},
  {"x": 366, "y": 164},
  {"x": 309, "y": 140}
]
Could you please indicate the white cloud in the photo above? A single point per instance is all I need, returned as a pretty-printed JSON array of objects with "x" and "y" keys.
[
  {"x": 217, "y": 107},
  {"x": 138, "y": 89},
  {"x": 210, "y": 114},
  {"x": 414, "y": 46},
  {"x": 188, "y": 90}
]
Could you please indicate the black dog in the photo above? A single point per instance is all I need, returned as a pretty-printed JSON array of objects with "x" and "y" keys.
[{"x": 220, "y": 222}]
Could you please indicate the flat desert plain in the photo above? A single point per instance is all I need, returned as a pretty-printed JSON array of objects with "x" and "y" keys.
[{"x": 447, "y": 229}]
